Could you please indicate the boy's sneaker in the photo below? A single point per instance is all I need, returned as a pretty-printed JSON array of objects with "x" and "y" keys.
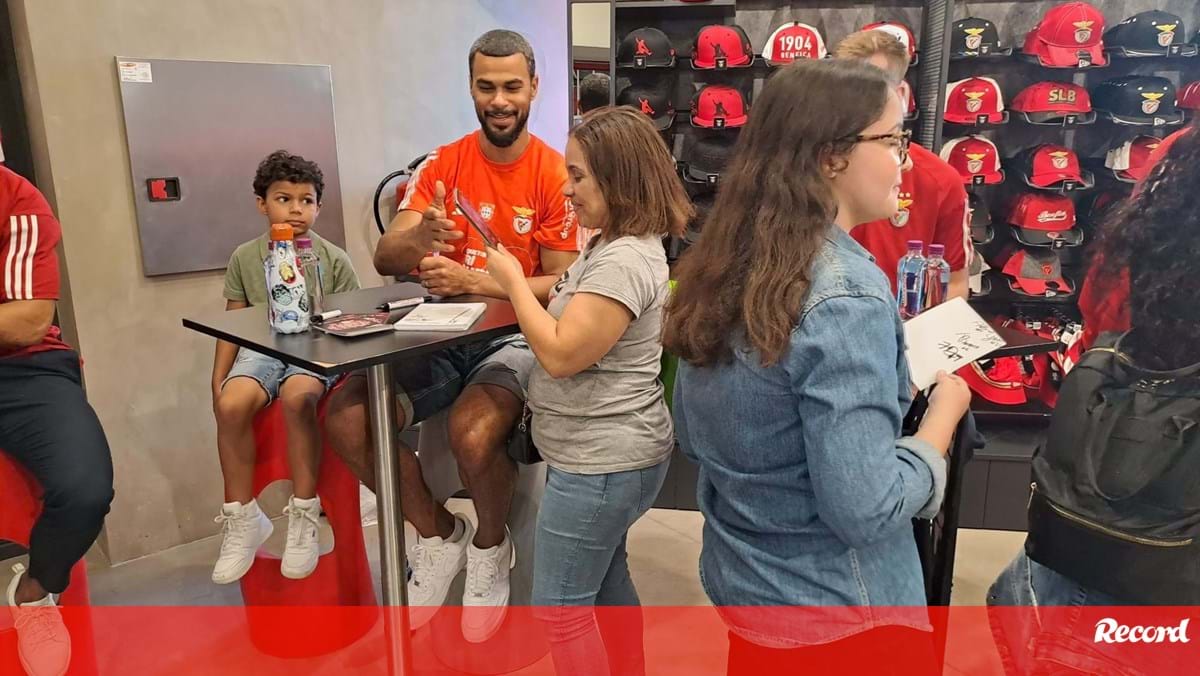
[
  {"x": 43, "y": 643},
  {"x": 303, "y": 544},
  {"x": 485, "y": 599},
  {"x": 435, "y": 563},
  {"x": 244, "y": 530}
]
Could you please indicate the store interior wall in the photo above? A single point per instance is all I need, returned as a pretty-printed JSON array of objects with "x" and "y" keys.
[
  {"x": 590, "y": 24},
  {"x": 400, "y": 87}
]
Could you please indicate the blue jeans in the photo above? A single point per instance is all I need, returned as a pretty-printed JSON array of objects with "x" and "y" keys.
[{"x": 580, "y": 562}]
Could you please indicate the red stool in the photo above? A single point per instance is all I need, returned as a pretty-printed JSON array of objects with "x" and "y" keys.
[
  {"x": 342, "y": 577},
  {"x": 20, "y": 505}
]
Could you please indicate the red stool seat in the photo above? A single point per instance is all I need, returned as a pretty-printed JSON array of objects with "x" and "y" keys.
[{"x": 342, "y": 576}]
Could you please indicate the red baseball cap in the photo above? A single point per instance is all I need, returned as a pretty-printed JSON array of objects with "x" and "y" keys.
[
  {"x": 718, "y": 107},
  {"x": 1069, "y": 35},
  {"x": 899, "y": 31},
  {"x": 1000, "y": 380},
  {"x": 1130, "y": 161},
  {"x": 1036, "y": 272},
  {"x": 1189, "y": 96},
  {"x": 1055, "y": 103},
  {"x": 794, "y": 40},
  {"x": 1045, "y": 219},
  {"x": 1046, "y": 165},
  {"x": 975, "y": 100},
  {"x": 975, "y": 158},
  {"x": 720, "y": 47}
]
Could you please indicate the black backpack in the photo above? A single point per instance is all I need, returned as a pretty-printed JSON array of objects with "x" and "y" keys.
[{"x": 1116, "y": 494}]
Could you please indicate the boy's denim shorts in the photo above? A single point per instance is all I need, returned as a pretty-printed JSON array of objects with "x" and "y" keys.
[{"x": 268, "y": 372}]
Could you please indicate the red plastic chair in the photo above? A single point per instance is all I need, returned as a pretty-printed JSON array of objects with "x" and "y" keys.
[
  {"x": 342, "y": 576},
  {"x": 20, "y": 505}
]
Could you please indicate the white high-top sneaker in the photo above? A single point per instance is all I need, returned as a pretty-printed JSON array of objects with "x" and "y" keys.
[
  {"x": 485, "y": 598},
  {"x": 303, "y": 544},
  {"x": 43, "y": 643},
  {"x": 245, "y": 529},
  {"x": 435, "y": 563}
]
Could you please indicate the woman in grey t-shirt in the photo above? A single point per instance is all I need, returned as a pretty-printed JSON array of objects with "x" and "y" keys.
[{"x": 599, "y": 418}]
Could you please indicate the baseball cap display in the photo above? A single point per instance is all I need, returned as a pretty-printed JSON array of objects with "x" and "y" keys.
[
  {"x": 1041, "y": 219},
  {"x": 794, "y": 40},
  {"x": 1036, "y": 272},
  {"x": 975, "y": 158},
  {"x": 981, "y": 220},
  {"x": 706, "y": 157},
  {"x": 1189, "y": 96},
  {"x": 1052, "y": 166},
  {"x": 999, "y": 380},
  {"x": 977, "y": 282},
  {"x": 973, "y": 37},
  {"x": 718, "y": 107},
  {"x": 1152, "y": 33},
  {"x": 1130, "y": 161},
  {"x": 646, "y": 48},
  {"x": 975, "y": 100},
  {"x": 899, "y": 31},
  {"x": 1137, "y": 100},
  {"x": 1056, "y": 103},
  {"x": 720, "y": 47},
  {"x": 655, "y": 102},
  {"x": 1070, "y": 35}
]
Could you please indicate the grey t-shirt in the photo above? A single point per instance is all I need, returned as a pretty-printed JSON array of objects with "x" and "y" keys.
[{"x": 611, "y": 416}]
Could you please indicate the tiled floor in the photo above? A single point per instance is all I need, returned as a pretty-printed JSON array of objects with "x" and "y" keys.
[{"x": 664, "y": 547}]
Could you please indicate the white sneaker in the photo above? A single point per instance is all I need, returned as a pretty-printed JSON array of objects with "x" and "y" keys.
[
  {"x": 435, "y": 563},
  {"x": 245, "y": 529},
  {"x": 303, "y": 542},
  {"x": 43, "y": 643},
  {"x": 367, "y": 507},
  {"x": 485, "y": 598}
]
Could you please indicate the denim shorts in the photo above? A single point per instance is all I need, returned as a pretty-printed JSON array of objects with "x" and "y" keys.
[
  {"x": 428, "y": 385},
  {"x": 268, "y": 372}
]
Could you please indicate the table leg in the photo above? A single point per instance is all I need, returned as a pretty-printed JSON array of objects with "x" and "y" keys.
[{"x": 382, "y": 402}]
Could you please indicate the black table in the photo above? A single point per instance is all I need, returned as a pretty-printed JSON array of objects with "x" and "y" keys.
[{"x": 331, "y": 356}]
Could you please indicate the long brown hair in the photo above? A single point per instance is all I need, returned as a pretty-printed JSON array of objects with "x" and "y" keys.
[
  {"x": 750, "y": 270},
  {"x": 635, "y": 173}
]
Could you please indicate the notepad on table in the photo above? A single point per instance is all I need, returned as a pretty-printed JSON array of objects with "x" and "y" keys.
[{"x": 441, "y": 317}]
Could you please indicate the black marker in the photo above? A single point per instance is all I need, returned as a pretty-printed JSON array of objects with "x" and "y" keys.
[{"x": 392, "y": 306}]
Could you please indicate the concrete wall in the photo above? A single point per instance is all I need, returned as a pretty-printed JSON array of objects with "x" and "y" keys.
[{"x": 400, "y": 88}]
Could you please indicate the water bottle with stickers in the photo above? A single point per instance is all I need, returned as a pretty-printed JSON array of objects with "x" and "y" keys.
[{"x": 287, "y": 295}]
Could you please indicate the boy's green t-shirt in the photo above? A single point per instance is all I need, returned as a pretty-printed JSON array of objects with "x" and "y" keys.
[{"x": 246, "y": 280}]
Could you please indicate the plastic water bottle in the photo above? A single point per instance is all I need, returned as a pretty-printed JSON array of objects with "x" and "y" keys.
[
  {"x": 910, "y": 280},
  {"x": 937, "y": 276},
  {"x": 310, "y": 265},
  {"x": 287, "y": 296}
]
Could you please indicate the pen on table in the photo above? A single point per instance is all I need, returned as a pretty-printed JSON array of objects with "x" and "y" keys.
[
  {"x": 326, "y": 316},
  {"x": 391, "y": 306}
]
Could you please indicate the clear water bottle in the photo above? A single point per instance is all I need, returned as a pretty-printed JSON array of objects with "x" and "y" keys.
[
  {"x": 910, "y": 280},
  {"x": 310, "y": 265},
  {"x": 287, "y": 296},
  {"x": 937, "y": 276}
]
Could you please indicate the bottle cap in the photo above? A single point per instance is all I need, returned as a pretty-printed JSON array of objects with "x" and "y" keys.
[
  {"x": 303, "y": 242},
  {"x": 937, "y": 249},
  {"x": 915, "y": 245},
  {"x": 281, "y": 232}
]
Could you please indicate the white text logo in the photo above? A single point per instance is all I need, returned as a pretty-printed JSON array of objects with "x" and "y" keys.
[{"x": 1109, "y": 630}]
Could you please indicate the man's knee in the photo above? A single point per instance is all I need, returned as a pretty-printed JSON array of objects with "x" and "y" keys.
[
  {"x": 480, "y": 424},
  {"x": 347, "y": 420},
  {"x": 84, "y": 496}
]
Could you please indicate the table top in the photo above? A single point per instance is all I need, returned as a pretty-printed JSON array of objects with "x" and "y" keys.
[{"x": 331, "y": 355}]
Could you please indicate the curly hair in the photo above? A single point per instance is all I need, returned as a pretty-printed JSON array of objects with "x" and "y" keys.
[
  {"x": 1155, "y": 238},
  {"x": 284, "y": 166}
]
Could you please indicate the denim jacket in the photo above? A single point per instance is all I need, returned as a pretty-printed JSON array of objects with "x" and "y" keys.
[{"x": 806, "y": 485}]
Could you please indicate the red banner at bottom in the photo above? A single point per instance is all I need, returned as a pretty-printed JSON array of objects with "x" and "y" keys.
[{"x": 652, "y": 640}]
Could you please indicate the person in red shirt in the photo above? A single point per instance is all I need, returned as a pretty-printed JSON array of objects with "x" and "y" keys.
[
  {"x": 933, "y": 202},
  {"x": 46, "y": 424},
  {"x": 1104, "y": 298},
  {"x": 516, "y": 182}
]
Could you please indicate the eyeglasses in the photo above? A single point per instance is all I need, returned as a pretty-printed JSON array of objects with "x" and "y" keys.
[{"x": 901, "y": 138}]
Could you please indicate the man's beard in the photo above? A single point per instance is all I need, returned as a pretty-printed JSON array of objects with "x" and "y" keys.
[{"x": 508, "y": 138}]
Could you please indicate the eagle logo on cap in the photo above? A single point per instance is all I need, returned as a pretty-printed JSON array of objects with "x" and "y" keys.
[
  {"x": 1083, "y": 31},
  {"x": 900, "y": 218},
  {"x": 974, "y": 101},
  {"x": 1166, "y": 34},
  {"x": 975, "y": 162},
  {"x": 974, "y": 37},
  {"x": 1059, "y": 159},
  {"x": 1151, "y": 103}
]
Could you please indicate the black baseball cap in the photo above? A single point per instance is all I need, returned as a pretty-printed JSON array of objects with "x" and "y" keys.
[
  {"x": 706, "y": 156},
  {"x": 973, "y": 37},
  {"x": 1137, "y": 100},
  {"x": 1152, "y": 33},
  {"x": 654, "y": 102},
  {"x": 981, "y": 219},
  {"x": 646, "y": 48}
]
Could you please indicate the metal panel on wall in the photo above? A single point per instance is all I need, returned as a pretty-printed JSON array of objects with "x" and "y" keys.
[{"x": 207, "y": 125}]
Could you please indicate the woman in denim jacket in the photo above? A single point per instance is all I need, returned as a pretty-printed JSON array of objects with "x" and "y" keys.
[{"x": 793, "y": 386}]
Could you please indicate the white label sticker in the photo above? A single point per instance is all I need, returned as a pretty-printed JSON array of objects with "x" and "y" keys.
[{"x": 134, "y": 71}]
